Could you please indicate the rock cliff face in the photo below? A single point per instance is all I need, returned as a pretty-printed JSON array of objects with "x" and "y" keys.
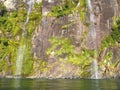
[
  {"x": 78, "y": 32},
  {"x": 104, "y": 11},
  {"x": 49, "y": 27}
]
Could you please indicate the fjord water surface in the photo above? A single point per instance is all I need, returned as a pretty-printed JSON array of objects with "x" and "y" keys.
[{"x": 59, "y": 84}]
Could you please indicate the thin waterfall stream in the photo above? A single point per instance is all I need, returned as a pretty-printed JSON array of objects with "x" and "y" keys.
[
  {"x": 93, "y": 36},
  {"x": 22, "y": 47}
]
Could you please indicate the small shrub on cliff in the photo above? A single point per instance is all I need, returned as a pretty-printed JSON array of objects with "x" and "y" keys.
[
  {"x": 116, "y": 30},
  {"x": 70, "y": 7},
  {"x": 106, "y": 52},
  {"x": 61, "y": 47},
  {"x": 114, "y": 37}
]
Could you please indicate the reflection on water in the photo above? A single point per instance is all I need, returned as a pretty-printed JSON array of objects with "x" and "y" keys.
[
  {"x": 42, "y": 84},
  {"x": 16, "y": 84}
]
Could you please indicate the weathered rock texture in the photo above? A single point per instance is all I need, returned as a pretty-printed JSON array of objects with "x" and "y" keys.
[
  {"x": 59, "y": 69},
  {"x": 104, "y": 11},
  {"x": 50, "y": 26}
]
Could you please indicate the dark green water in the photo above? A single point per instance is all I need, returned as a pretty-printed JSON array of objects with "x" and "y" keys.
[{"x": 39, "y": 84}]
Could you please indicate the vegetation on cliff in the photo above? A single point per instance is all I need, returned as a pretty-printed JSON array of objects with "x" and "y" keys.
[{"x": 12, "y": 25}]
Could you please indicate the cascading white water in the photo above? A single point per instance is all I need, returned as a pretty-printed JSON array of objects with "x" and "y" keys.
[
  {"x": 20, "y": 60},
  {"x": 22, "y": 47},
  {"x": 93, "y": 36},
  {"x": 30, "y": 4}
]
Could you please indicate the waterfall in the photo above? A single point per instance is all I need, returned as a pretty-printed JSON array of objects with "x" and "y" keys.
[
  {"x": 22, "y": 47},
  {"x": 19, "y": 60},
  {"x": 93, "y": 37},
  {"x": 30, "y": 5}
]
